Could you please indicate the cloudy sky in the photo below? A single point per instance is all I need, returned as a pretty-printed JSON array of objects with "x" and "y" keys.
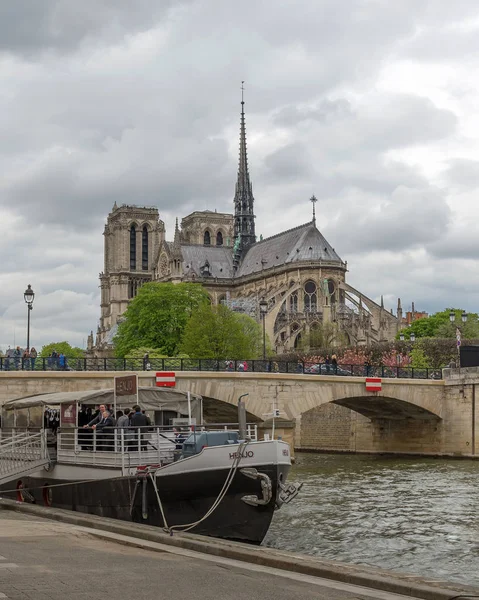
[{"x": 372, "y": 105}]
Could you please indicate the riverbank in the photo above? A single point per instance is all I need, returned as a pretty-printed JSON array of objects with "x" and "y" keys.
[{"x": 143, "y": 536}]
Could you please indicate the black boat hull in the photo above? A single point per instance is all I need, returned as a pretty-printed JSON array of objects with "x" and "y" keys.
[{"x": 185, "y": 497}]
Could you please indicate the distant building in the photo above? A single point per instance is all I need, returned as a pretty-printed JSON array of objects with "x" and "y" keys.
[
  {"x": 297, "y": 271},
  {"x": 413, "y": 315}
]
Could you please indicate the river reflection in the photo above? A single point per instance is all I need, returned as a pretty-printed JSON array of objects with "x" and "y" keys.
[{"x": 404, "y": 514}]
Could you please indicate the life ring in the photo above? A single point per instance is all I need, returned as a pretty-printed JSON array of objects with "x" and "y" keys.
[
  {"x": 20, "y": 487},
  {"x": 47, "y": 494}
]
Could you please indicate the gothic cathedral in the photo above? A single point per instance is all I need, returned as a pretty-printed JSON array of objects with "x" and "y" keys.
[{"x": 297, "y": 272}]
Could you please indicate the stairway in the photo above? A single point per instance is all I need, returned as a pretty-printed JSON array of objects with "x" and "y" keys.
[{"x": 22, "y": 453}]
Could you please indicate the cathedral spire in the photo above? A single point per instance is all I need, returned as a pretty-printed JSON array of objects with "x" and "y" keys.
[{"x": 244, "y": 231}]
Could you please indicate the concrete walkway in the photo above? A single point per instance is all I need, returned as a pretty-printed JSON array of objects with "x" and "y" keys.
[{"x": 42, "y": 559}]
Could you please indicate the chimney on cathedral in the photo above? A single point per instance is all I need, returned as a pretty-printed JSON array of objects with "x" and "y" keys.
[{"x": 244, "y": 231}]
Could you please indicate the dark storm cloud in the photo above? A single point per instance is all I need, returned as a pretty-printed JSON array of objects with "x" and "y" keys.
[{"x": 30, "y": 26}]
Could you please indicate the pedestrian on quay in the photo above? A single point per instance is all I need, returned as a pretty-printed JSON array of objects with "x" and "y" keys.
[
  {"x": 17, "y": 354},
  {"x": 62, "y": 361},
  {"x": 33, "y": 358},
  {"x": 327, "y": 362}
]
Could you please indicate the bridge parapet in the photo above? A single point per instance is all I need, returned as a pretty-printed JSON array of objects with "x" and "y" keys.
[{"x": 464, "y": 376}]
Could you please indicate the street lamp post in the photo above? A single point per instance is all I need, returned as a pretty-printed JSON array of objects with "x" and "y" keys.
[
  {"x": 263, "y": 309},
  {"x": 452, "y": 318},
  {"x": 29, "y": 296}
]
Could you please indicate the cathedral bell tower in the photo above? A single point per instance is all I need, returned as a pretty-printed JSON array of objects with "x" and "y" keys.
[{"x": 244, "y": 230}]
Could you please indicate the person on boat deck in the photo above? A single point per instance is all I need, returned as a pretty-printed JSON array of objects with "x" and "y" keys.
[
  {"x": 123, "y": 418},
  {"x": 139, "y": 420},
  {"x": 97, "y": 418},
  {"x": 104, "y": 431}
]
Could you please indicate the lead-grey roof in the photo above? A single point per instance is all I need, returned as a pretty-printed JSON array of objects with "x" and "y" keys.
[
  {"x": 220, "y": 259},
  {"x": 302, "y": 243}
]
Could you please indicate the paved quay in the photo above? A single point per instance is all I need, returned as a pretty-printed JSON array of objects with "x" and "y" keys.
[{"x": 42, "y": 559}]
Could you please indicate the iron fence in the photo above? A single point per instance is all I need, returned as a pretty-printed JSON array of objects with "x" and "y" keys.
[{"x": 207, "y": 364}]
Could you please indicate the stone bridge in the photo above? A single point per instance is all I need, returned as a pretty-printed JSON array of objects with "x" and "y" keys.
[{"x": 430, "y": 417}]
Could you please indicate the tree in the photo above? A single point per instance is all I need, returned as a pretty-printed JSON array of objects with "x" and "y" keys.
[
  {"x": 419, "y": 358},
  {"x": 219, "y": 333},
  {"x": 62, "y": 347},
  {"x": 439, "y": 325},
  {"x": 157, "y": 317}
]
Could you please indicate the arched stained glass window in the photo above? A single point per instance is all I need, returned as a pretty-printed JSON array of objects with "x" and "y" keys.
[
  {"x": 207, "y": 238},
  {"x": 219, "y": 239},
  {"x": 310, "y": 297},
  {"x": 144, "y": 248},
  {"x": 133, "y": 247}
]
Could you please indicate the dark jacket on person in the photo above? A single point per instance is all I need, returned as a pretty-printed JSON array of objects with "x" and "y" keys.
[
  {"x": 103, "y": 423},
  {"x": 139, "y": 420},
  {"x": 96, "y": 419}
]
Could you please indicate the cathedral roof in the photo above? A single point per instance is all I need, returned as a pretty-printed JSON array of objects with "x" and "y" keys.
[
  {"x": 302, "y": 243},
  {"x": 218, "y": 258}
]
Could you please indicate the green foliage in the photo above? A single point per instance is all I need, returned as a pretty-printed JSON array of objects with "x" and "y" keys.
[
  {"x": 140, "y": 353},
  {"x": 418, "y": 358},
  {"x": 61, "y": 347},
  {"x": 157, "y": 317},
  {"x": 438, "y": 325},
  {"x": 217, "y": 332}
]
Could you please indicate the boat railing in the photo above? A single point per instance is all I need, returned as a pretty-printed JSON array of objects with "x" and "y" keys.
[
  {"x": 22, "y": 452},
  {"x": 127, "y": 448}
]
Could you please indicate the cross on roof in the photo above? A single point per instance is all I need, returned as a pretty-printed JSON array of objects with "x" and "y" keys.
[{"x": 313, "y": 201}]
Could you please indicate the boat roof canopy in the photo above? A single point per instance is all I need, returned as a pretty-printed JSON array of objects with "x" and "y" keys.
[{"x": 149, "y": 398}]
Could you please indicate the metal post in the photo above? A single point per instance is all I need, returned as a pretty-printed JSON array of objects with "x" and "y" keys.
[
  {"x": 242, "y": 417},
  {"x": 29, "y": 308},
  {"x": 264, "y": 336},
  {"x": 188, "y": 395},
  {"x": 458, "y": 345}
]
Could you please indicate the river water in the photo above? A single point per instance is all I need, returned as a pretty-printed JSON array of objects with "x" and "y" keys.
[{"x": 413, "y": 515}]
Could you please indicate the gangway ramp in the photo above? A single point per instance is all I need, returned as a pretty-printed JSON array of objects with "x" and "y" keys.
[{"x": 22, "y": 453}]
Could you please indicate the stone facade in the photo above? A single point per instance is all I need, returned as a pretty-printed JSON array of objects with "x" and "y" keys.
[
  {"x": 297, "y": 272},
  {"x": 132, "y": 237}
]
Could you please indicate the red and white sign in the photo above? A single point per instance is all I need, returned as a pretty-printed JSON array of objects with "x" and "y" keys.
[
  {"x": 373, "y": 384},
  {"x": 165, "y": 379}
]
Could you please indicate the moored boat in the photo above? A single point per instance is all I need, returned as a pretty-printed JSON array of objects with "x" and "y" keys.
[{"x": 177, "y": 473}]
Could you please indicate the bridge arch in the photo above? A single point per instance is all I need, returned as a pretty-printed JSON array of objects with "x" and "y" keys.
[{"x": 384, "y": 407}]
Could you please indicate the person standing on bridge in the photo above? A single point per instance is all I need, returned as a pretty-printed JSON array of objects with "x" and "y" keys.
[
  {"x": 33, "y": 358},
  {"x": 334, "y": 363}
]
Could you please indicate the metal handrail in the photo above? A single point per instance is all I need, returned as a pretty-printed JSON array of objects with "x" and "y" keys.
[
  {"x": 215, "y": 365},
  {"x": 130, "y": 447},
  {"x": 22, "y": 452}
]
